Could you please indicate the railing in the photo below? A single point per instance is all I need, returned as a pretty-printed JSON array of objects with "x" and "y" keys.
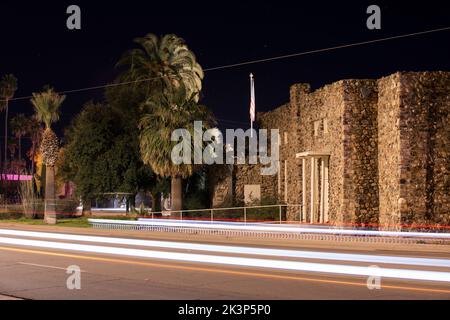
[
  {"x": 270, "y": 231},
  {"x": 266, "y": 213},
  {"x": 36, "y": 208}
]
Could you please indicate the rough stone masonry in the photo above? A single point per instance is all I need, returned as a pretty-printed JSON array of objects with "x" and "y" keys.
[{"x": 358, "y": 151}]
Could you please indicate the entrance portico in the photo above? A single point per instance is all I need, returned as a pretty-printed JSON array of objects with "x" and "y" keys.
[{"x": 319, "y": 186}]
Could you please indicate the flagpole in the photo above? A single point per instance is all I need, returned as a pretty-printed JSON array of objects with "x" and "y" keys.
[{"x": 251, "y": 101}]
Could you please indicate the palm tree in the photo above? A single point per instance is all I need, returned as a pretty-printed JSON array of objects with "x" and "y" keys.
[
  {"x": 12, "y": 147},
  {"x": 20, "y": 125},
  {"x": 171, "y": 77},
  {"x": 162, "y": 115},
  {"x": 47, "y": 105},
  {"x": 8, "y": 86},
  {"x": 166, "y": 61}
]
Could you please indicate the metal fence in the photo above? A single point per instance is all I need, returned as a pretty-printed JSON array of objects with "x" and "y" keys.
[
  {"x": 270, "y": 231},
  {"x": 268, "y": 213},
  {"x": 35, "y": 208}
]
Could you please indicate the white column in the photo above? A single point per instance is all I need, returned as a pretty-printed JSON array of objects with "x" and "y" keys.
[
  {"x": 285, "y": 182},
  {"x": 322, "y": 189},
  {"x": 326, "y": 185},
  {"x": 313, "y": 171},
  {"x": 279, "y": 179},
  {"x": 303, "y": 218},
  {"x": 316, "y": 187}
]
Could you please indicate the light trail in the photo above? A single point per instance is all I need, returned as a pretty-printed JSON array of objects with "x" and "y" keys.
[
  {"x": 216, "y": 270},
  {"x": 236, "y": 249},
  {"x": 421, "y": 275}
]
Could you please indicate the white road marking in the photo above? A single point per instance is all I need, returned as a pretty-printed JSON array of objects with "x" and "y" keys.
[{"x": 44, "y": 266}]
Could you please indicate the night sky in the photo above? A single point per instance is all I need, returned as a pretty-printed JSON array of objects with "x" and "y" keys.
[{"x": 36, "y": 46}]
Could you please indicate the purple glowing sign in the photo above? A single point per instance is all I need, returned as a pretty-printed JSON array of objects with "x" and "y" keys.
[{"x": 16, "y": 177}]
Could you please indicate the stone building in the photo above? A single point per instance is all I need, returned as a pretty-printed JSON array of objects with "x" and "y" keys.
[{"x": 357, "y": 151}]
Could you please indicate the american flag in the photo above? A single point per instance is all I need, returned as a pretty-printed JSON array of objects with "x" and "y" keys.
[{"x": 252, "y": 99}]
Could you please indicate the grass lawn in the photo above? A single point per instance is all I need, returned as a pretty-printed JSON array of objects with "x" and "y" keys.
[{"x": 81, "y": 222}]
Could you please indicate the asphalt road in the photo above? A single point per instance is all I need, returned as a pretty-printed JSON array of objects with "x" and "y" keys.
[{"x": 34, "y": 266}]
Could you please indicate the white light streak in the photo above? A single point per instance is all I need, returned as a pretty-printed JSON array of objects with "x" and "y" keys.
[
  {"x": 237, "y": 249},
  {"x": 239, "y": 261}
]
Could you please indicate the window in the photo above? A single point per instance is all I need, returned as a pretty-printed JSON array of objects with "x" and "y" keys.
[
  {"x": 316, "y": 128},
  {"x": 319, "y": 125}
]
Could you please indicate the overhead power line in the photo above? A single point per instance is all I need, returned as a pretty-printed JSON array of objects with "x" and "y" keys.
[
  {"x": 325, "y": 49},
  {"x": 244, "y": 63}
]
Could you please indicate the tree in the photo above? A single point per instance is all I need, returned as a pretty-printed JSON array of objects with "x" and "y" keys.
[
  {"x": 47, "y": 104},
  {"x": 126, "y": 101},
  {"x": 165, "y": 114},
  {"x": 163, "y": 64},
  {"x": 101, "y": 154},
  {"x": 168, "y": 73},
  {"x": 8, "y": 87},
  {"x": 20, "y": 127}
]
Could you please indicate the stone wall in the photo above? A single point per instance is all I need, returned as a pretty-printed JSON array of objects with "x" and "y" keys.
[
  {"x": 388, "y": 145},
  {"x": 349, "y": 109},
  {"x": 285, "y": 120},
  {"x": 221, "y": 186},
  {"x": 360, "y": 143},
  {"x": 389, "y": 148},
  {"x": 414, "y": 137},
  {"x": 325, "y": 103}
]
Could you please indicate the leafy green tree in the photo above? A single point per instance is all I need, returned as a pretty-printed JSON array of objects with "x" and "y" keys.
[
  {"x": 127, "y": 102},
  {"x": 101, "y": 154},
  {"x": 46, "y": 105}
]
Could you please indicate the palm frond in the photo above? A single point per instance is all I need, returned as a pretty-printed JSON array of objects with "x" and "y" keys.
[{"x": 47, "y": 104}]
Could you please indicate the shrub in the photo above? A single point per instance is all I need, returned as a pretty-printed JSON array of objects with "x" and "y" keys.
[{"x": 29, "y": 199}]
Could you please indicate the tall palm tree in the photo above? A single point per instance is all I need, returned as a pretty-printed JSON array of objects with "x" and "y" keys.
[
  {"x": 166, "y": 61},
  {"x": 46, "y": 105},
  {"x": 8, "y": 87},
  {"x": 171, "y": 76},
  {"x": 19, "y": 124},
  {"x": 12, "y": 148},
  {"x": 162, "y": 115}
]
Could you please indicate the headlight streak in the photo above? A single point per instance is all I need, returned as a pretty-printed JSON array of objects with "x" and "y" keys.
[
  {"x": 239, "y": 261},
  {"x": 236, "y": 249}
]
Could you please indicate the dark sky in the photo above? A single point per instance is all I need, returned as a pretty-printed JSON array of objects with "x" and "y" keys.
[{"x": 36, "y": 46}]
